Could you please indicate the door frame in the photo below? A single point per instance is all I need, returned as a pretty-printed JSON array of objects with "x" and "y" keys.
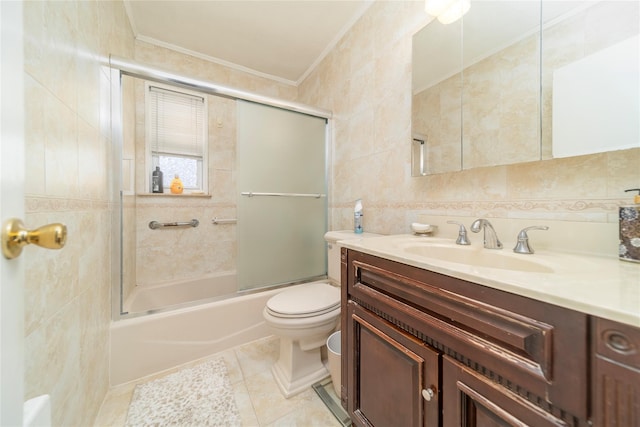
[{"x": 12, "y": 177}]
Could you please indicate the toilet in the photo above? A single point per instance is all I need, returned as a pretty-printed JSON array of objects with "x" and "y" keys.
[{"x": 303, "y": 317}]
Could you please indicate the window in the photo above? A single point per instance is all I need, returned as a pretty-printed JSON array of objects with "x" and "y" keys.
[{"x": 176, "y": 135}]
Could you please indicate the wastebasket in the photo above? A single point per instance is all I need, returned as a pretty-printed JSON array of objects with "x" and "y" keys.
[{"x": 333, "y": 355}]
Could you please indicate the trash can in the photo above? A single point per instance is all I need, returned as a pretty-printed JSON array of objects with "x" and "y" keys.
[{"x": 333, "y": 355}]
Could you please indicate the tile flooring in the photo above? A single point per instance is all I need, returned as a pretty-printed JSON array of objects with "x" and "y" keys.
[{"x": 257, "y": 395}]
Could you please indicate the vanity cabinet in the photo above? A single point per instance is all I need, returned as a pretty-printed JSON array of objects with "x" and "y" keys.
[
  {"x": 426, "y": 349},
  {"x": 616, "y": 379}
]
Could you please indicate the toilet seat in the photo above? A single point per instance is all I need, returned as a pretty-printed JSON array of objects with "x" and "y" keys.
[{"x": 310, "y": 300}]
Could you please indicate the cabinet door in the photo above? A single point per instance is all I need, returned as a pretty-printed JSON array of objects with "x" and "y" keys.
[
  {"x": 469, "y": 399},
  {"x": 393, "y": 377},
  {"x": 616, "y": 378},
  {"x": 617, "y": 394}
]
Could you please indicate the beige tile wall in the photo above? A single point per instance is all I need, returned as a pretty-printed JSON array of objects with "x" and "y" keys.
[
  {"x": 166, "y": 255},
  {"x": 366, "y": 81},
  {"x": 186, "y": 65},
  {"x": 67, "y": 292}
]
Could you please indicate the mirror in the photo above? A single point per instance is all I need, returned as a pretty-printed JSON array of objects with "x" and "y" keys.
[{"x": 485, "y": 93}]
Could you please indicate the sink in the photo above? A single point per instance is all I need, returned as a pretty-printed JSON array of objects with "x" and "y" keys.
[{"x": 476, "y": 257}]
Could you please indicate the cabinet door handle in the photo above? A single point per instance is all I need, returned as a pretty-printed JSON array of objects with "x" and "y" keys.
[{"x": 428, "y": 394}]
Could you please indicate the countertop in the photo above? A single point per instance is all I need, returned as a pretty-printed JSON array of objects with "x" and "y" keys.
[{"x": 599, "y": 286}]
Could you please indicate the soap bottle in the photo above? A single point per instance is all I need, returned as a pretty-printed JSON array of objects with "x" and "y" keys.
[
  {"x": 629, "y": 217},
  {"x": 176, "y": 185},
  {"x": 156, "y": 181},
  {"x": 357, "y": 217}
]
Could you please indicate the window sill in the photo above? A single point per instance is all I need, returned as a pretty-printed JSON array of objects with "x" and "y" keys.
[{"x": 185, "y": 194}]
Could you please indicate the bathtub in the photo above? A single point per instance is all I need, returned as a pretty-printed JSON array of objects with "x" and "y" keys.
[
  {"x": 152, "y": 297},
  {"x": 148, "y": 344}
]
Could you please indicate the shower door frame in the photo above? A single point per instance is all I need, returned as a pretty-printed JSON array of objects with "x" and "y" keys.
[{"x": 119, "y": 67}]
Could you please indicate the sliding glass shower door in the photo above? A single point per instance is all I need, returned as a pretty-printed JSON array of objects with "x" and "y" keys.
[{"x": 282, "y": 201}]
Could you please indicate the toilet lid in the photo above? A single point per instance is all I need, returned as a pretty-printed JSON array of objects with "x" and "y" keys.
[{"x": 305, "y": 300}]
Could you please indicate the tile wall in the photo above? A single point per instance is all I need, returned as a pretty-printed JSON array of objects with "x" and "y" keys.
[
  {"x": 166, "y": 255},
  {"x": 68, "y": 132},
  {"x": 366, "y": 81}
]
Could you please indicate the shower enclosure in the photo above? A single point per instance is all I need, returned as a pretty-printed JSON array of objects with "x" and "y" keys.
[{"x": 261, "y": 223}]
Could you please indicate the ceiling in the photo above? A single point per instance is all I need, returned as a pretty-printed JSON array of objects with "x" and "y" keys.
[{"x": 282, "y": 40}]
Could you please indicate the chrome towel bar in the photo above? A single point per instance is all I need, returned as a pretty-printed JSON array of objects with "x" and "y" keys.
[
  {"x": 216, "y": 221},
  {"x": 252, "y": 194},
  {"x": 155, "y": 224}
]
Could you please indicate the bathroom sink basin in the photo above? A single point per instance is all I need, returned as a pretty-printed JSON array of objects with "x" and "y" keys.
[{"x": 478, "y": 257}]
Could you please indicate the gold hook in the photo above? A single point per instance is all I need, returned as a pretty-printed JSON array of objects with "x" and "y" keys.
[{"x": 15, "y": 236}]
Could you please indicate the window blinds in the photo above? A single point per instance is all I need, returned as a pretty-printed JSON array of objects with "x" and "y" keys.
[{"x": 176, "y": 123}]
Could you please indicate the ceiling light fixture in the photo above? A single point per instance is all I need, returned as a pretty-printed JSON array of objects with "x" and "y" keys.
[{"x": 447, "y": 11}]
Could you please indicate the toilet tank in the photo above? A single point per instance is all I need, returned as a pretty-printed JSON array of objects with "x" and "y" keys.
[{"x": 333, "y": 250}]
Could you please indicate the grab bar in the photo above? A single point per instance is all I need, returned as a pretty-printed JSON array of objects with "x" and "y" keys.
[
  {"x": 155, "y": 224},
  {"x": 252, "y": 194},
  {"x": 216, "y": 221}
]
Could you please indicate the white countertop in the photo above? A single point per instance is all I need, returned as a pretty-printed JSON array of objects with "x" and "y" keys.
[{"x": 603, "y": 287}]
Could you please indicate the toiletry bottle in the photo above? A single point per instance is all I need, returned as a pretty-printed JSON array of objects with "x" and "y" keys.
[
  {"x": 176, "y": 185},
  {"x": 630, "y": 229},
  {"x": 357, "y": 217},
  {"x": 156, "y": 181}
]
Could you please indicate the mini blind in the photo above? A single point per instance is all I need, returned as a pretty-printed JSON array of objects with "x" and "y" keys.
[{"x": 176, "y": 122}]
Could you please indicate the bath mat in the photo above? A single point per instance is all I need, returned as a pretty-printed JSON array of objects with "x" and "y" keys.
[{"x": 197, "y": 396}]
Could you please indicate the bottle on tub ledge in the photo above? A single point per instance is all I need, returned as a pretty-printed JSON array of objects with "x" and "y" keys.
[
  {"x": 176, "y": 185},
  {"x": 630, "y": 229},
  {"x": 156, "y": 181},
  {"x": 357, "y": 217}
]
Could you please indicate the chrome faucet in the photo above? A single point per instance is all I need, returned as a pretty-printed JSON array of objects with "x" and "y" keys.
[
  {"x": 462, "y": 234},
  {"x": 522, "y": 247},
  {"x": 491, "y": 240}
]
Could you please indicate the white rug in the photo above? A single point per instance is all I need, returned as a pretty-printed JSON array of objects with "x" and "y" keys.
[{"x": 199, "y": 396}]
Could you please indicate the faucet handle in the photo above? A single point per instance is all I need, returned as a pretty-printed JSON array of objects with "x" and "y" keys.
[
  {"x": 462, "y": 234},
  {"x": 522, "y": 247}
]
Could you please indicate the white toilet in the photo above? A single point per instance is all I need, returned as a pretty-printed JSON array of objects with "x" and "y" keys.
[{"x": 303, "y": 317}]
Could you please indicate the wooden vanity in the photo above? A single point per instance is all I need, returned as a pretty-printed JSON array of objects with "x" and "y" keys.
[{"x": 421, "y": 348}]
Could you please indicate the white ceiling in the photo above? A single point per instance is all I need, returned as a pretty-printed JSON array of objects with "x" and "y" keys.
[{"x": 282, "y": 40}]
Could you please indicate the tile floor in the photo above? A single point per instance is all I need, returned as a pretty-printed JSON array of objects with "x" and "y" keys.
[{"x": 257, "y": 395}]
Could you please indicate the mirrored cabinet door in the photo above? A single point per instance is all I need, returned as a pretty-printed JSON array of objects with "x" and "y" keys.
[
  {"x": 501, "y": 83},
  {"x": 437, "y": 93}
]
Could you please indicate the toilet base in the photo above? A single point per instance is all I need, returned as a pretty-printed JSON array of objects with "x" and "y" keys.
[{"x": 297, "y": 370}]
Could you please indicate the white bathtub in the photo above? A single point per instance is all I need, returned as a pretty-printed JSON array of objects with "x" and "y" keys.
[
  {"x": 145, "y": 345},
  {"x": 152, "y": 297}
]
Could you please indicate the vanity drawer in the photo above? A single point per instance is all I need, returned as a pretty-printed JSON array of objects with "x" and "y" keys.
[
  {"x": 530, "y": 347},
  {"x": 617, "y": 342}
]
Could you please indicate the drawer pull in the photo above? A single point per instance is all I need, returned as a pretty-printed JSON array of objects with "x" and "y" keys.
[
  {"x": 619, "y": 342},
  {"x": 428, "y": 394}
]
